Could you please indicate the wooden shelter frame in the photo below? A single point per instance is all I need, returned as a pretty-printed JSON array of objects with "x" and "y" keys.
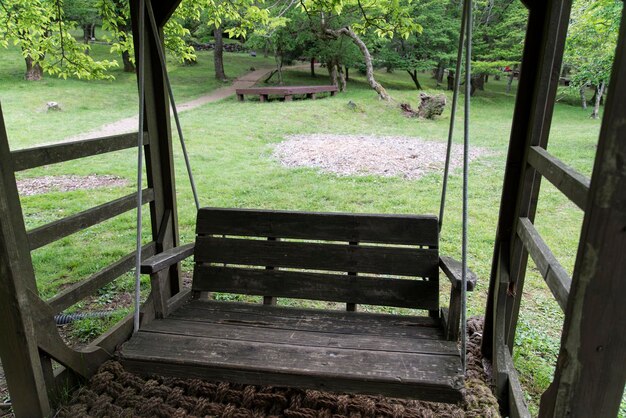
[{"x": 589, "y": 377}]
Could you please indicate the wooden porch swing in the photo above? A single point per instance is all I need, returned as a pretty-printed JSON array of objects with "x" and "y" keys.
[{"x": 382, "y": 260}]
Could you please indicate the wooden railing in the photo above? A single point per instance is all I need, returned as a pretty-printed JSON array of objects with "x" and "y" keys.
[
  {"x": 80, "y": 362},
  {"x": 30, "y": 158}
]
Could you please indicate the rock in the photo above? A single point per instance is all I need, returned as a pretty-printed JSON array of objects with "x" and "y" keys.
[
  {"x": 253, "y": 54},
  {"x": 431, "y": 105},
  {"x": 54, "y": 106},
  {"x": 355, "y": 107}
]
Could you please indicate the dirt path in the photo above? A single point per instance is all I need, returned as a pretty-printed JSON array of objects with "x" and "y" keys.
[{"x": 130, "y": 124}]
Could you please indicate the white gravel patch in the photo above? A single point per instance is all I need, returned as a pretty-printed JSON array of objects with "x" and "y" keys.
[
  {"x": 41, "y": 185},
  {"x": 361, "y": 155}
]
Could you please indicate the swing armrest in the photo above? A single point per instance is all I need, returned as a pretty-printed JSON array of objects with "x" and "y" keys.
[
  {"x": 453, "y": 270},
  {"x": 166, "y": 259}
]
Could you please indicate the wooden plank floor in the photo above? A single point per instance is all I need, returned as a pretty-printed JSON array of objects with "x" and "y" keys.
[{"x": 327, "y": 350}]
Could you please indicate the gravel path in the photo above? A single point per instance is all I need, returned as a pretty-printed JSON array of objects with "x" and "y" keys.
[
  {"x": 361, "y": 155},
  {"x": 130, "y": 124}
]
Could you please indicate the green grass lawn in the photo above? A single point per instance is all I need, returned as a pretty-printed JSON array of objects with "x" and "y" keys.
[
  {"x": 230, "y": 146},
  {"x": 89, "y": 104}
]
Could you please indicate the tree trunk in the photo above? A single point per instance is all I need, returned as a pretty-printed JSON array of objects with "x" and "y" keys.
[
  {"x": 486, "y": 80},
  {"x": 477, "y": 83},
  {"x": 440, "y": 70},
  {"x": 347, "y": 74},
  {"x": 34, "y": 72},
  {"x": 218, "y": 54},
  {"x": 342, "y": 78},
  {"x": 312, "y": 66},
  {"x": 369, "y": 67},
  {"x": 450, "y": 80},
  {"x": 129, "y": 67},
  {"x": 332, "y": 72},
  {"x": 413, "y": 75},
  {"x": 279, "y": 69},
  {"x": 596, "y": 103},
  {"x": 583, "y": 98},
  {"x": 93, "y": 31},
  {"x": 86, "y": 33},
  {"x": 87, "y": 29},
  {"x": 509, "y": 82}
]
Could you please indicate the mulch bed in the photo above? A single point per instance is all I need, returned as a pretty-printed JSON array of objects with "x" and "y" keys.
[
  {"x": 46, "y": 184},
  {"x": 362, "y": 155},
  {"x": 113, "y": 392}
]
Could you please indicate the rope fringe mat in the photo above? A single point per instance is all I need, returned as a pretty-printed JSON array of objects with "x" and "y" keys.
[{"x": 114, "y": 392}]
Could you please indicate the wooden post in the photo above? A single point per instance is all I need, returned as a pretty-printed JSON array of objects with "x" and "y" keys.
[
  {"x": 18, "y": 346},
  {"x": 590, "y": 373},
  {"x": 159, "y": 152},
  {"x": 543, "y": 52},
  {"x": 541, "y": 63}
]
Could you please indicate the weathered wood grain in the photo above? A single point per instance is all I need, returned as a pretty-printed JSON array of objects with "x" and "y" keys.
[
  {"x": 590, "y": 374},
  {"x": 430, "y": 376},
  {"x": 166, "y": 259},
  {"x": 310, "y": 319},
  {"x": 516, "y": 403},
  {"x": 331, "y": 257},
  {"x": 453, "y": 271},
  {"x": 552, "y": 271},
  {"x": 24, "y": 374},
  {"x": 362, "y": 228},
  {"x": 405, "y": 293},
  {"x": 570, "y": 182},
  {"x": 251, "y": 333},
  {"x": 56, "y": 230},
  {"x": 26, "y": 159}
]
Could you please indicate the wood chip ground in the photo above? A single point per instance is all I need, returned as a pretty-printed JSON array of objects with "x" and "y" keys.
[
  {"x": 362, "y": 155},
  {"x": 47, "y": 184}
]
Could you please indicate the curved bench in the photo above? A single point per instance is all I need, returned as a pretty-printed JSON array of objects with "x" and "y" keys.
[{"x": 287, "y": 92}]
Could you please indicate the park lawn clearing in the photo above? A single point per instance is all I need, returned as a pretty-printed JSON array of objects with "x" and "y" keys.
[
  {"x": 231, "y": 144},
  {"x": 361, "y": 155}
]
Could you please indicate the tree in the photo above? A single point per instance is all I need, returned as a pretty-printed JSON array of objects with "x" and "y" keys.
[
  {"x": 499, "y": 31},
  {"x": 432, "y": 49},
  {"x": 590, "y": 47},
  {"x": 116, "y": 19},
  {"x": 39, "y": 29},
  {"x": 84, "y": 14},
  {"x": 235, "y": 18},
  {"x": 352, "y": 19}
]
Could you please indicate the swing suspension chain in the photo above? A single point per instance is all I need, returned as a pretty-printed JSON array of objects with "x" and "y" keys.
[{"x": 465, "y": 40}]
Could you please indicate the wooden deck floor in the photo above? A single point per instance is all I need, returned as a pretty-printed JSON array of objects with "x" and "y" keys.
[{"x": 328, "y": 350}]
